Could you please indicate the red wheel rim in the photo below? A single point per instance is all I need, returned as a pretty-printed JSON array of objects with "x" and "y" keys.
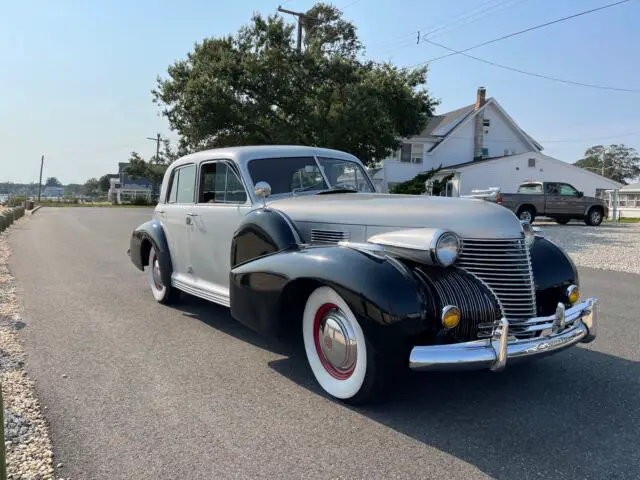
[{"x": 321, "y": 315}]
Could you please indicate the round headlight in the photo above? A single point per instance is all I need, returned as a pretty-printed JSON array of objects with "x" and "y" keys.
[
  {"x": 447, "y": 249},
  {"x": 529, "y": 234}
]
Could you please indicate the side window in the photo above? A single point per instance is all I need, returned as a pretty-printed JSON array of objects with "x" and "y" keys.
[
  {"x": 553, "y": 189},
  {"x": 568, "y": 190},
  {"x": 186, "y": 184},
  {"x": 173, "y": 186},
  {"x": 219, "y": 183}
]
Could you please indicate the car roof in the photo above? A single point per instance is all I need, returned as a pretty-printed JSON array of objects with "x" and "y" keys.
[{"x": 242, "y": 155}]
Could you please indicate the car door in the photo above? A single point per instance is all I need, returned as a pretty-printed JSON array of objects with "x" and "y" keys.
[
  {"x": 572, "y": 200},
  {"x": 221, "y": 204},
  {"x": 555, "y": 204},
  {"x": 176, "y": 222}
]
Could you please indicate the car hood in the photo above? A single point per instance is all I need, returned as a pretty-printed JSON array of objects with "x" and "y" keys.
[{"x": 469, "y": 218}]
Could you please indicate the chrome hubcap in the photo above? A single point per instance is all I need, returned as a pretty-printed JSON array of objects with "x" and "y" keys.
[
  {"x": 157, "y": 277},
  {"x": 335, "y": 342},
  {"x": 526, "y": 216}
]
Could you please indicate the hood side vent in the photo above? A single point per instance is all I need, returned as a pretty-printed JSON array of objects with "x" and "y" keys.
[{"x": 329, "y": 237}]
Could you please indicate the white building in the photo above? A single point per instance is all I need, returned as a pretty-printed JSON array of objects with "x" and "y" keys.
[
  {"x": 628, "y": 201},
  {"x": 483, "y": 147}
]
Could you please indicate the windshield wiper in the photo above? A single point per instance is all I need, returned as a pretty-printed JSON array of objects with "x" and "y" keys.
[{"x": 338, "y": 190}]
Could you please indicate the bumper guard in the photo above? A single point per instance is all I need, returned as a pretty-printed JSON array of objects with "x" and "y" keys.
[{"x": 562, "y": 330}]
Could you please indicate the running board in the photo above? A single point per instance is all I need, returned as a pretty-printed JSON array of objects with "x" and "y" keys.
[{"x": 217, "y": 295}]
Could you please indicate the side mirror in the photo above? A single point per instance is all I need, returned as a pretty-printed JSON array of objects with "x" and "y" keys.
[
  {"x": 263, "y": 190},
  {"x": 580, "y": 194}
]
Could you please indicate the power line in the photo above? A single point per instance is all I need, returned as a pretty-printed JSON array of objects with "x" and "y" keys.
[
  {"x": 532, "y": 74},
  {"x": 456, "y": 52},
  {"x": 349, "y": 4},
  {"x": 473, "y": 17}
]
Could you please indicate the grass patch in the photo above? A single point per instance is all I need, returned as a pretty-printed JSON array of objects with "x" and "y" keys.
[{"x": 626, "y": 220}]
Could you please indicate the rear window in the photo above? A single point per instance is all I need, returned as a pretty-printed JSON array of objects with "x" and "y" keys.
[{"x": 530, "y": 188}]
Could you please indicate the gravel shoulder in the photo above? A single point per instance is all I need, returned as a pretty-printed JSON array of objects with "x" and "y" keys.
[
  {"x": 607, "y": 247},
  {"x": 27, "y": 444}
]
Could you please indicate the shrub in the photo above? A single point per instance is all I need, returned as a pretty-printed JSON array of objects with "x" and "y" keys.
[
  {"x": 140, "y": 200},
  {"x": 16, "y": 201}
]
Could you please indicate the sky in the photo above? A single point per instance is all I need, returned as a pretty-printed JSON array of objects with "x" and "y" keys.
[{"x": 78, "y": 74}]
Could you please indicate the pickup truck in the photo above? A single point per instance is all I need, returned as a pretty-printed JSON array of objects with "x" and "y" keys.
[{"x": 559, "y": 201}]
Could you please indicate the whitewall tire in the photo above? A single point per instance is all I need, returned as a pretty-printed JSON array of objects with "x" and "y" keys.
[
  {"x": 338, "y": 353},
  {"x": 161, "y": 292}
]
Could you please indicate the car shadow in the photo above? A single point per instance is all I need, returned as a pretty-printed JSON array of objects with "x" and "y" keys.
[
  {"x": 572, "y": 415},
  {"x": 575, "y": 415}
]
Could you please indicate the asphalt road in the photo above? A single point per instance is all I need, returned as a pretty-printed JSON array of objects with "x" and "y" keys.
[{"x": 154, "y": 392}]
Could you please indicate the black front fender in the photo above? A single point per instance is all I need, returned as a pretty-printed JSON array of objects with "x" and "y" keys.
[
  {"x": 381, "y": 293},
  {"x": 553, "y": 272},
  {"x": 151, "y": 234}
]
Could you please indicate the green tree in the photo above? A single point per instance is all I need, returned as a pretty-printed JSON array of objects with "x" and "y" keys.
[
  {"x": 91, "y": 187},
  {"x": 255, "y": 88},
  {"x": 52, "y": 182},
  {"x": 620, "y": 163},
  {"x": 104, "y": 182},
  {"x": 417, "y": 185}
]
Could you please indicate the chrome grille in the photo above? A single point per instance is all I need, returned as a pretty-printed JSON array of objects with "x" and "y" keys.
[
  {"x": 328, "y": 236},
  {"x": 505, "y": 267}
]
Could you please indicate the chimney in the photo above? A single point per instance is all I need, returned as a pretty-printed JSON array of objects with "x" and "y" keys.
[
  {"x": 480, "y": 97},
  {"x": 478, "y": 135}
]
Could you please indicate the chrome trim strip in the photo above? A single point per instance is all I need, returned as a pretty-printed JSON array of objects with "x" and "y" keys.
[
  {"x": 221, "y": 297},
  {"x": 501, "y": 348}
]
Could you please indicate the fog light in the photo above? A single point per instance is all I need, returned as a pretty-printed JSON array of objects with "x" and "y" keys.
[
  {"x": 573, "y": 294},
  {"x": 450, "y": 316}
]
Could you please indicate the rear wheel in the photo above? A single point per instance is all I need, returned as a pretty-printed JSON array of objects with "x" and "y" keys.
[
  {"x": 162, "y": 293},
  {"x": 526, "y": 214},
  {"x": 342, "y": 360},
  {"x": 594, "y": 217}
]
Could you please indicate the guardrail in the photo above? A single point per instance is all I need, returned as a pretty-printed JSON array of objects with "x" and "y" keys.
[{"x": 10, "y": 215}]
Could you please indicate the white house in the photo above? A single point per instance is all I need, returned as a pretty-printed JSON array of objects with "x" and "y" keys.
[
  {"x": 628, "y": 201},
  {"x": 508, "y": 172},
  {"x": 483, "y": 147}
]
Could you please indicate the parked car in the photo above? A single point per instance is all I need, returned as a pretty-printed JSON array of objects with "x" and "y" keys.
[
  {"x": 559, "y": 201},
  {"x": 296, "y": 238}
]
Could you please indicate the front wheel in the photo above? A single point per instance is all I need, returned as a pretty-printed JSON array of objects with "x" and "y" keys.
[
  {"x": 162, "y": 293},
  {"x": 341, "y": 358}
]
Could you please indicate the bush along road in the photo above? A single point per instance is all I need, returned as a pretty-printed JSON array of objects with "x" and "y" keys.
[
  {"x": 27, "y": 446},
  {"x": 8, "y": 216}
]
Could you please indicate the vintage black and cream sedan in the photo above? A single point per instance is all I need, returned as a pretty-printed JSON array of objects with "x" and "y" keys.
[{"x": 296, "y": 238}]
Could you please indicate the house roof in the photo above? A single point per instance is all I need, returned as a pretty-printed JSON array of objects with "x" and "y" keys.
[
  {"x": 440, "y": 125},
  {"x": 632, "y": 187},
  {"x": 443, "y": 126}
]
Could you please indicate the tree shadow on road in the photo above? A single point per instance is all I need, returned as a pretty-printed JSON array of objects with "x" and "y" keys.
[{"x": 575, "y": 415}]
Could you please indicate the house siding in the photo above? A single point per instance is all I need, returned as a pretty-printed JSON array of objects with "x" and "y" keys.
[
  {"x": 507, "y": 174},
  {"x": 501, "y": 135}
]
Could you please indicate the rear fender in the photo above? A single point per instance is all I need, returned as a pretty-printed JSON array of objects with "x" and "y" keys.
[{"x": 147, "y": 235}]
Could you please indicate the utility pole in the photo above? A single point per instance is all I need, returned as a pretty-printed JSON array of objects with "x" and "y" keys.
[
  {"x": 40, "y": 181},
  {"x": 302, "y": 17},
  {"x": 157, "y": 140}
]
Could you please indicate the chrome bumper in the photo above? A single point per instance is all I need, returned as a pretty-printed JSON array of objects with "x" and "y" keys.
[{"x": 559, "y": 331}]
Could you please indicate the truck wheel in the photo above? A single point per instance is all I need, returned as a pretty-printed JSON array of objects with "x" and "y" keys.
[
  {"x": 526, "y": 214},
  {"x": 342, "y": 360},
  {"x": 562, "y": 221},
  {"x": 164, "y": 294},
  {"x": 594, "y": 217}
]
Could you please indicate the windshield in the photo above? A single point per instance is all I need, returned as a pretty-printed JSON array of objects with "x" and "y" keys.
[{"x": 305, "y": 174}]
